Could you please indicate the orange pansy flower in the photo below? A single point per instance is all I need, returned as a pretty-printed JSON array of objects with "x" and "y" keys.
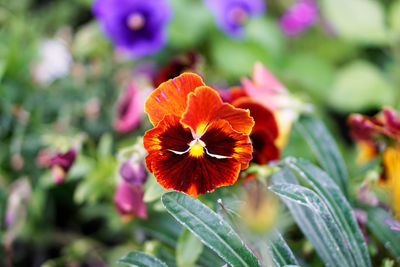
[{"x": 199, "y": 143}]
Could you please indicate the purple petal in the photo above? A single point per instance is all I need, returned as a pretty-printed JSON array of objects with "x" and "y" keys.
[
  {"x": 230, "y": 15},
  {"x": 113, "y": 16},
  {"x": 299, "y": 17},
  {"x": 133, "y": 173},
  {"x": 394, "y": 224}
]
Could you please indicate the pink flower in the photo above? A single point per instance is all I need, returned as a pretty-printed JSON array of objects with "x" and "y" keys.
[
  {"x": 394, "y": 224},
  {"x": 299, "y": 17},
  {"x": 129, "y": 202},
  {"x": 267, "y": 90},
  {"x": 130, "y": 108},
  {"x": 59, "y": 163}
]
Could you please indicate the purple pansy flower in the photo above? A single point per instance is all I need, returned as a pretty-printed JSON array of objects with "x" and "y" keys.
[
  {"x": 129, "y": 202},
  {"x": 231, "y": 15},
  {"x": 133, "y": 173},
  {"x": 394, "y": 224},
  {"x": 299, "y": 17},
  {"x": 135, "y": 26}
]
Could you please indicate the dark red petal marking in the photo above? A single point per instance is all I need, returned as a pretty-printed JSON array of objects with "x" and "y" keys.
[
  {"x": 221, "y": 139},
  {"x": 193, "y": 175},
  {"x": 168, "y": 135}
]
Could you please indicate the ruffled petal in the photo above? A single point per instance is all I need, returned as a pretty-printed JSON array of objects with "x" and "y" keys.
[
  {"x": 171, "y": 97},
  {"x": 205, "y": 106}
]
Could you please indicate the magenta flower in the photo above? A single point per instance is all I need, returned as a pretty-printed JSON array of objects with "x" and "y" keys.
[
  {"x": 128, "y": 200},
  {"x": 135, "y": 26},
  {"x": 60, "y": 165},
  {"x": 231, "y": 15},
  {"x": 130, "y": 108},
  {"x": 299, "y": 17},
  {"x": 394, "y": 225}
]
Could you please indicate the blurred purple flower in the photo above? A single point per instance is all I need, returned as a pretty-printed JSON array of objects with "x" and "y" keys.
[
  {"x": 136, "y": 26},
  {"x": 130, "y": 108},
  {"x": 129, "y": 202},
  {"x": 60, "y": 165},
  {"x": 299, "y": 17},
  {"x": 231, "y": 15},
  {"x": 394, "y": 224},
  {"x": 133, "y": 173}
]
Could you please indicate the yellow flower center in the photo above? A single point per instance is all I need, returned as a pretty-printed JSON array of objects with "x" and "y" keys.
[
  {"x": 196, "y": 148},
  {"x": 136, "y": 21}
]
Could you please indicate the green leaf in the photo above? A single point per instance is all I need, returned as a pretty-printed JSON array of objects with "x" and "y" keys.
[
  {"x": 382, "y": 231},
  {"x": 394, "y": 18},
  {"x": 188, "y": 249},
  {"x": 188, "y": 28},
  {"x": 104, "y": 148},
  {"x": 236, "y": 58},
  {"x": 361, "y": 21},
  {"x": 300, "y": 70},
  {"x": 336, "y": 202},
  {"x": 210, "y": 228},
  {"x": 280, "y": 251},
  {"x": 153, "y": 190},
  {"x": 358, "y": 86},
  {"x": 164, "y": 228},
  {"x": 324, "y": 148},
  {"x": 140, "y": 259},
  {"x": 333, "y": 239}
]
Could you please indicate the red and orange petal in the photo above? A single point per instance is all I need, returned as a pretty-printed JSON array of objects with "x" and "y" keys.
[
  {"x": 205, "y": 106},
  {"x": 195, "y": 174},
  {"x": 263, "y": 117},
  {"x": 171, "y": 97},
  {"x": 264, "y": 133}
]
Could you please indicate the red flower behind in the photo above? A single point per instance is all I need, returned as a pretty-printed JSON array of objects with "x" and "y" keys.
[
  {"x": 199, "y": 143},
  {"x": 265, "y": 132}
]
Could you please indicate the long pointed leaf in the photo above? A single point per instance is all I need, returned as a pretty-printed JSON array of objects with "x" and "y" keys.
[
  {"x": 305, "y": 218},
  {"x": 140, "y": 259},
  {"x": 337, "y": 204},
  {"x": 280, "y": 251},
  {"x": 325, "y": 149},
  {"x": 390, "y": 238},
  {"x": 327, "y": 225},
  {"x": 210, "y": 228}
]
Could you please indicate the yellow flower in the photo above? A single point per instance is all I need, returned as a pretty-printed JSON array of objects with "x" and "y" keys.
[{"x": 391, "y": 176}]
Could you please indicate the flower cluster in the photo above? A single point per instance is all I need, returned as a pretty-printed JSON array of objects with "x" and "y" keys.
[{"x": 376, "y": 134}]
